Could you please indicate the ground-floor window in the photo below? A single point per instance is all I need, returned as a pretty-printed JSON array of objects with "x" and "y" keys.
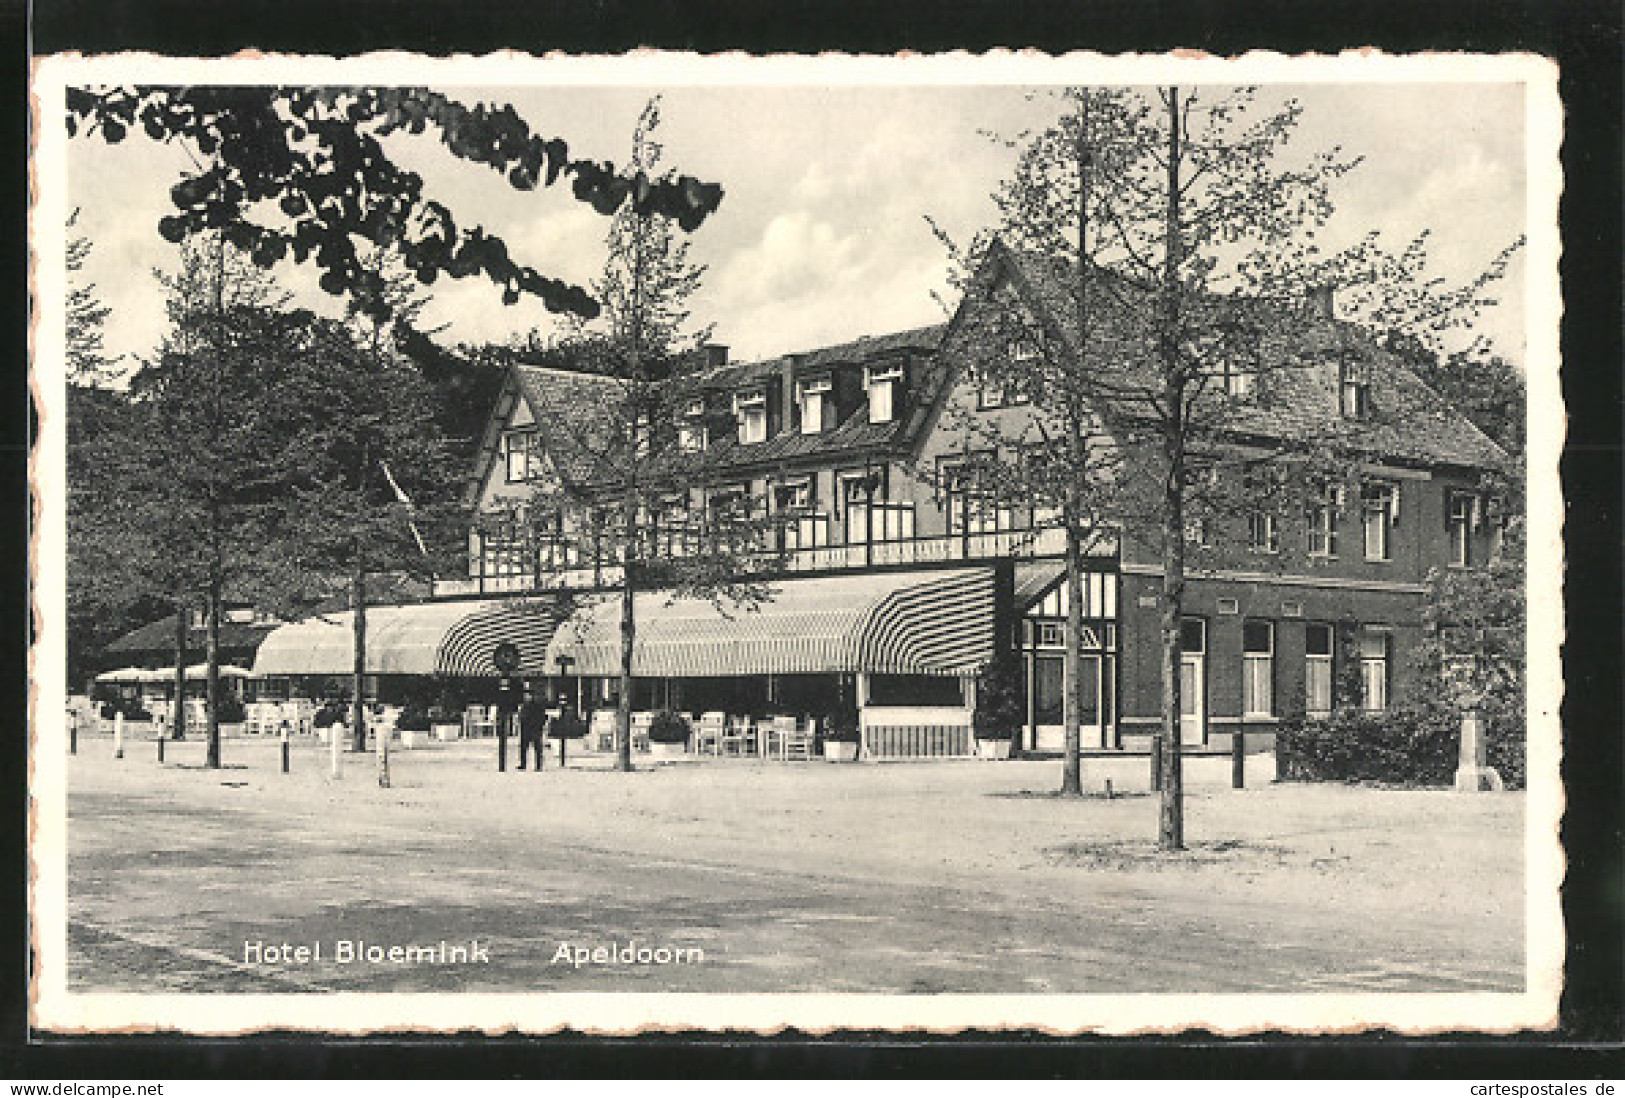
[
  {"x": 1317, "y": 669},
  {"x": 1374, "y": 655},
  {"x": 916, "y": 690},
  {"x": 1258, "y": 669}
]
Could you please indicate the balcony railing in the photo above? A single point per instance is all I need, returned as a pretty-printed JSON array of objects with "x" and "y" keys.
[{"x": 947, "y": 549}]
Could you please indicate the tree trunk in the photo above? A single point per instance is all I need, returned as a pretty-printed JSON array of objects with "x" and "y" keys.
[
  {"x": 1072, "y": 768},
  {"x": 358, "y": 665},
  {"x": 623, "y": 708},
  {"x": 1171, "y": 824},
  {"x": 178, "y": 714},
  {"x": 211, "y": 690}
]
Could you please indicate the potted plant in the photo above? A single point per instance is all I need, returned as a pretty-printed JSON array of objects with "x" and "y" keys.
[
  {"x": 446, "y": 718},
  {"x": 233, "y": 716},
  {"x": 668, "y": 735},
  {"x": 330, "y": 714},
  {"x": 841, "y": 733},
  {"x": 1000, "y": 706},
  {"x": 412, "y": 724}
]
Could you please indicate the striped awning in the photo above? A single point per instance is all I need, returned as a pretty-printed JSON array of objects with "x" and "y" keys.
[
  {"x": 927, "y": 623},
  {"x": 452, "y": 638}
]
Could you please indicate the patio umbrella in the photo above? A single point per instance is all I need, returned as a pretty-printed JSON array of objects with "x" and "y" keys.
[{"x": 123, "y": 674}]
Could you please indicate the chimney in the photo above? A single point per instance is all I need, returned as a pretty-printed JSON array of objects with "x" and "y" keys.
[
  {"x": 716, "y": 354},
  {"x": 1323, "y": 302},
  {"x": 787, "y": 392}
]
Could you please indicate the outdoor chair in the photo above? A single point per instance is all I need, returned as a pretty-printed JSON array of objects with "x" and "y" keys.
[
  {"x": 708, "y": 733},
  {"x": 740, "y": 737},
  {"x": 602, "y": 729},
  {"x": 798, "y": 742},
  {"x": 640, "y": 730},
  {"x": 481, "y": 720}
]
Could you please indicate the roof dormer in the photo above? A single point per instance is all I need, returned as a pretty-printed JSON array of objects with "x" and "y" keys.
[{"x": 884, "y": 383}]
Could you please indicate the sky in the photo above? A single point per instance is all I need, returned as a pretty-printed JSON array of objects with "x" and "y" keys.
[{"x": 822, "y": 234}]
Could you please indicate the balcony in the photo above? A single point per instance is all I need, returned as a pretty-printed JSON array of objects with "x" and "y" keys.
[{"x": 992, "y": 545}]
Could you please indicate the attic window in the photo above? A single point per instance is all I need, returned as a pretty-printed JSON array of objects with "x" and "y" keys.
[
  {"x": 691, "y": 433},
  {"x": 1356, "y": 392},
  {"x": 882, "y": 382},
  {"x": 1240, "y": 383},
  {"x": 750, "y": 408},
  {"x": 519, "y": 455},
  {"x": 813, "y": 396}
]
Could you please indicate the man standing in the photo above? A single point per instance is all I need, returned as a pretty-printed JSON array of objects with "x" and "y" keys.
[{"x": 532, "y": 725}]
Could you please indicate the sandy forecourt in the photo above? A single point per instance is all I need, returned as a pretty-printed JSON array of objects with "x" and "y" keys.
[{"x": 773, "y": 877}]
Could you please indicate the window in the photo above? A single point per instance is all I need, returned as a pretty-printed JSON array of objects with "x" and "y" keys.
[
  {"x": 1317, "y": 669},
  {"x": 1257, "y": 669},
  {"x": 1263, "y": 533},
  {"x": 882, "y": 382},
  {"x": 1321, "y": 515},
  {"x": 518, "y": 455},
  {"x": 1374, "y": 671},
  {"x": 1377, "y": 509},
  {"x": 1356, "y": 392},
  {"x": 750, "y": 408},
  {"x": 1239, "y": 383},
  {"x": 691, "y": 433},
  {"x": 971, "y": 510},
  {"x": 1193, "y": 636},
  {"x": 1460, "y": 520},
  {"x": 813, "y": 396},
  {"x": 887, "y": 522}
]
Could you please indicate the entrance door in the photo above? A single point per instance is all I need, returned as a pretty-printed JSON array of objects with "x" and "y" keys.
[
  {"x": 1049, "y": 702},
  {"x": 1193, "y": 682}
]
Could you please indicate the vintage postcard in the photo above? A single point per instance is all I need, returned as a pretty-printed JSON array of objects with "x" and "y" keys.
[{"x": 668, "y": 543}]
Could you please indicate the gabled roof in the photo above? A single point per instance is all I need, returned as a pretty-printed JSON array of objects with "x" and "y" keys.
[{"x": 1409, "y": 421}]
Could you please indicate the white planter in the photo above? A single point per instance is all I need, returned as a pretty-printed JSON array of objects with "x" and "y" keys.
[
  {"x": 409, "y": 738},
  {"x": 445, "y": 733},
  {"x": 835, "y": 751},
  {"x": 993, "y": 749},
  {"x": 660, "y": 750},
  {"x": 232, "y": 729}
]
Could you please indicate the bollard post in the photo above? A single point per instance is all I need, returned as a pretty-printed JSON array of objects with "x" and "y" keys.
[
  {"x": 502, "y": 743},
  {"x": 118, "y": 735},
  {"x": 1156, "y": 761},
  {"x": 73, "y": 733},
  {"x": 160, "y": 746},
  {"x": 284, "y": 747},
  {"x": 562, "y": 741},
  {"x": 1109, "y": 794},
  {"x": 1238, "y": 760}
]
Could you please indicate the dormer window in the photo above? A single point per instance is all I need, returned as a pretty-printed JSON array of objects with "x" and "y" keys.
[
  {"x": 882, "y": 383},
  {"x": 813, "y": 395},
  {"x": 518, "y": 455},
  {"x": 1356, "y": 392},
  {"x": 750, "y": 409},
  {"x": 641, "y": 435},
  {"x": 691, "y": 433},
  {"x": 1239, "y": 383}
]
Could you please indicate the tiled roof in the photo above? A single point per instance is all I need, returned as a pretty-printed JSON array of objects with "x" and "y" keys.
[
  {"x": 1408, "y": 420},
  {"x": 572, "y": 411},
  {"x": 737, "y": 374},
  {"x": 159, "y": 637}
]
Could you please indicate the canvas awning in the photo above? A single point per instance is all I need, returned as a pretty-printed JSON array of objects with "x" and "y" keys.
[
  {"x": 123, "y": 675},
  {"x": 929, "y": 623},
  {"x": 448, "y": 638}
]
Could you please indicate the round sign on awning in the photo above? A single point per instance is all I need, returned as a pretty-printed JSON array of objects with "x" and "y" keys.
[{"x": 506, "y": 657}]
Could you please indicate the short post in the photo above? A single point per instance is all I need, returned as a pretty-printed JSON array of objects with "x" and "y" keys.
[
  {"x": 73, "y": 732},
  {"x": 1156, "y": 761},
  {"x": 284, "y": 738},
  {"x": 1238, "y": 760},
  {"x": 502, "y": 741},
  {"x": 118, "y": 735},
  {"x": 334, "y": 732},
  {"x": 160, "y": 745},
  {"x": 1474, "y": 774}
]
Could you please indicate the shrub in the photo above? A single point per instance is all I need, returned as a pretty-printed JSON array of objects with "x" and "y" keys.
[
  {"x": 413, "y": 718},
  {"x": 132, "y": 710},
  {"x": 1411, "y": 745},
  {"x": 232, "y": 710},
  {"x": 1001, "y": 701},
  {"x": 668, "y": 727},
  {"x": 568, "y": 725},
  {"x": 329, "y": 714}
]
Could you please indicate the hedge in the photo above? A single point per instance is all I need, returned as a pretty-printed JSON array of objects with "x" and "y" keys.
[{"x": 1407, "y": 746}]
